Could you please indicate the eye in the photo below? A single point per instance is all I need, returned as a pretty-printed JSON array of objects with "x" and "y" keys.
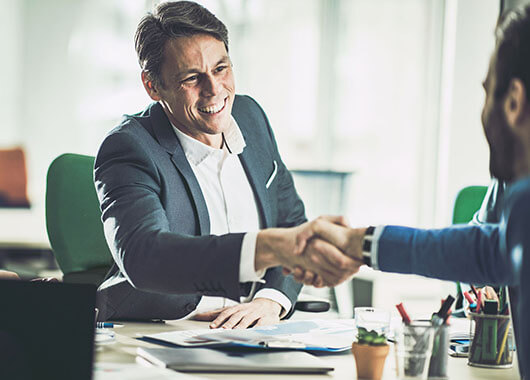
[
  {"x": 191, "y": 79},
  {"x": 219, "y": 69}
]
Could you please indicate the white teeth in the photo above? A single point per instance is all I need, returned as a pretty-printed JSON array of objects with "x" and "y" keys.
[{"x": 212, "y": 109}]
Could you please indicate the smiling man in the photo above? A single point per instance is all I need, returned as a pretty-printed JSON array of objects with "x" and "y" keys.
[{"x": 188, "y": 186}]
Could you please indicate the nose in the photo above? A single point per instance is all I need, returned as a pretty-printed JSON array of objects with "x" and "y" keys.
[{"x": 210, "y": 85}]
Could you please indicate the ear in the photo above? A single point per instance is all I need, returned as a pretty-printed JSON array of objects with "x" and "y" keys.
[
  {"x": 150, "y": 87},
  {"x": 515, "y": 102}
]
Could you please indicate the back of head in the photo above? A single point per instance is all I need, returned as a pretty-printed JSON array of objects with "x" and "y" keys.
[
  {"x": 513, "y": 50},
  {"x": 172, "y": 20}
]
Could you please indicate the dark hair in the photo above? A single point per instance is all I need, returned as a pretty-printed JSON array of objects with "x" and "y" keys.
[
  {"x": 512, "y": 50},
  {"x": 171, "y": 20}
]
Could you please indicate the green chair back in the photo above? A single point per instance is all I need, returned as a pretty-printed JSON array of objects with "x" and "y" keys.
[
  {"x": 73, "y": 220},
  {"x": 468, "y": 202}
]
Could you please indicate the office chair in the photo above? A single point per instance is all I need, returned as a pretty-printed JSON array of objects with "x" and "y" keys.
[
  {"x": 13, "y": 178},
  {"x": 468, "y": 202},
  {"x": 75, "y": 230},
  {"x": 73, "y": 220}
]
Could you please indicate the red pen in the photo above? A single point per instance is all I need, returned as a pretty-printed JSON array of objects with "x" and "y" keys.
[
  {"x": 403, "y": 313},
  {"x": 469, "y": 298},
  {"x": 479, "y": 302}
]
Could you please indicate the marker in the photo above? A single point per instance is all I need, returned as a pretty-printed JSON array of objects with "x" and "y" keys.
[
  {"x": 479, "y": 302},
  {"x": 441, "y": 316},
  {"x": 404, "y": 316},
  {"x": 469, "y": 298},
  {"x": 474, "y": 290},
  {"x": 107, "y": 325}
]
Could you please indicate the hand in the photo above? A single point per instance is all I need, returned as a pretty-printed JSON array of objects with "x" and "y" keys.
[
  {"x": 296, "y": 247},
  {"x": 334, "y": 230},
  {"x": 258, "y": 312},
  {"x": 7, "y": 275}
]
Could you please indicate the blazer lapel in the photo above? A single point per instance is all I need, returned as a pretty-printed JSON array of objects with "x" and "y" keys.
[
  {"x": 169, "y": 141},
  {"x": 253, "y": 166}
]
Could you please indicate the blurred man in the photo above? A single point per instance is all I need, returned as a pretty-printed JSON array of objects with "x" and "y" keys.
[
  {"x": 186, "y": 185},
  {"x": 497, "y": 254}
]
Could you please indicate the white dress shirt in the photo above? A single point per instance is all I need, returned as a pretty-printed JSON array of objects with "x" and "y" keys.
[{"x": 231, "y": 207}]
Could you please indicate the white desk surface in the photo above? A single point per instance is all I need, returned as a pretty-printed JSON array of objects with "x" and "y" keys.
[
  {"x": 23, "y": 228},
  {"x": 124, "y": 351}
]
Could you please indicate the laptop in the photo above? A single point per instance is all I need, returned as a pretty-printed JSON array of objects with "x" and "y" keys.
[
  {"x": 46, "y": 330},
  {"x": 209, "y": 360}
]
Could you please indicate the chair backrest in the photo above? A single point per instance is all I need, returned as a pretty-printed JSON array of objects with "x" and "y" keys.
[
  {"x": 13, "y": 178},
  {"x": 73, "y": 220},
  {"x": 467, "y": 202}
]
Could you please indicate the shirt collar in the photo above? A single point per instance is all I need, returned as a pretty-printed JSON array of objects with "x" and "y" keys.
[{"x": 196, "y": 151}]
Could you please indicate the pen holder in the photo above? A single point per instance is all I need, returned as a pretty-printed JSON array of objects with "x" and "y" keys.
[
  {"x": 492, "y": 341},
  {"x": 440, "y": 346},
  {"x": 413, "y": 350}
]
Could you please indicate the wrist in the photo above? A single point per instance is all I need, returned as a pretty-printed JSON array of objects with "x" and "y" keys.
[
  {"x": 266, "y": 249},
  {"x": 271, "y": 305}
]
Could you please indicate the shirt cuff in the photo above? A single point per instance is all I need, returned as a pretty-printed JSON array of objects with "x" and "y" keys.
[
  {"x": 277, "y": 296},
  {"x": 247, "y": 266},
  {"x": 375, "y": 244}
]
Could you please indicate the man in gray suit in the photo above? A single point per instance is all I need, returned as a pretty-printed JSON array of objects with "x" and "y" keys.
[
  {"x": 189, "y": 186},
  {"x": 488, "y": 253}
]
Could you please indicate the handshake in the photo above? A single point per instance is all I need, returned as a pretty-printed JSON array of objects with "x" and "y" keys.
[{"x": 322, "y": 252}]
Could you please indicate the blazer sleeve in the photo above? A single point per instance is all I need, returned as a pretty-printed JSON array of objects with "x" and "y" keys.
[
  {"x": 474, "y": 254},
  {"x": 151, "y": 257}
]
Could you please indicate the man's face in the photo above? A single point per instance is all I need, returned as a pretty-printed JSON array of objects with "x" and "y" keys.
[
  {"x": 197, "y": 89},
  {"x": 500, "y": 137}
]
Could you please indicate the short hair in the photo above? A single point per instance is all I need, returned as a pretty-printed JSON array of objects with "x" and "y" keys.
[
  {"x": 512, "y": 58},
  {"x": 172, "y": 20}
]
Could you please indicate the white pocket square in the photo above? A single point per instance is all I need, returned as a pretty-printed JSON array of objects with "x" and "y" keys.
[{"x": 273, "y": 175}]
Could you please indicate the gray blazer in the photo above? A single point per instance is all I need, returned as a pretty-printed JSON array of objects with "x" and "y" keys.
[{"x": 156, "y": 221}]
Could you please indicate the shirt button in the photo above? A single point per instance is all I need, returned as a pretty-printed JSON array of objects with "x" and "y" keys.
[{"x": 190, "y": 307}]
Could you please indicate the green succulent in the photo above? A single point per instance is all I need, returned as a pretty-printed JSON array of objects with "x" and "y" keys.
[{"x": 371, "y": 337}]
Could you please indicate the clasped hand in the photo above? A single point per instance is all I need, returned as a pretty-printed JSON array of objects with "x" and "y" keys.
[{"x": 326, "y": 252}]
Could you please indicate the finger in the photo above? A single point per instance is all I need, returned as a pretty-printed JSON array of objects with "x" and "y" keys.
[
  {"x": 246, "y": 321},
  {"x": 318, "y": 282},
  {"x": 305, "y": 232},
  {"x": 286, "y": 271},
  {"x": 207, "y": 315},
  {"x": 308, "y": 278},
  {"x": 298, "y": 274},
  {"x": 330, "y": 257},
  {"x": 331, "y": 232},
  {"x": 264, "y": 321},
  {"x": 233, "y": 320},
  {"x": 336, "y": 219},
  {"x": 223, "y": 317}
]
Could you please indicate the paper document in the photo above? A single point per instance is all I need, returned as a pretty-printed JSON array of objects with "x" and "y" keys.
[{"x": 311, "y": 335}]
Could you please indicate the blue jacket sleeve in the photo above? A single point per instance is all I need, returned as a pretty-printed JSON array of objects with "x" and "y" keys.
[{"x": 459, "y": 253}]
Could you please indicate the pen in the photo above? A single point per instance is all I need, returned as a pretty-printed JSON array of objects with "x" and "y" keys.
[
  {"x": 404, "y": 316},
  {"x": 107, "y": 325},
  {"x": 474, "y": 290},
  {"x": 441, "y": 316},
  {"x": 469, "y": 298},
  {"x": 479, "y": 302}
]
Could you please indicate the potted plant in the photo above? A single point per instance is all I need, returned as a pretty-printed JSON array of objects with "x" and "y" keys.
[{"x": 370, "y": 352}]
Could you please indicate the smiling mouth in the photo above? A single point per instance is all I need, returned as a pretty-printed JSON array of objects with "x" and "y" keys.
[{"x": 214, "y": 108}]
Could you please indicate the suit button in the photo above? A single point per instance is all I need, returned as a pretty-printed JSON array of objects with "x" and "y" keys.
[{"x": 190, "y": 307}]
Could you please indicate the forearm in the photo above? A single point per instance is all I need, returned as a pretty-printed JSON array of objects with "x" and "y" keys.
[{"x": 468, "y": 253}]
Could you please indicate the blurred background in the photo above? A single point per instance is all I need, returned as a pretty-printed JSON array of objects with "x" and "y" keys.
[{"x": 387, "y": 92}]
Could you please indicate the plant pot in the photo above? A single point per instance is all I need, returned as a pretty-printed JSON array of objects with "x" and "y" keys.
[{"x": 370, "y": 360}]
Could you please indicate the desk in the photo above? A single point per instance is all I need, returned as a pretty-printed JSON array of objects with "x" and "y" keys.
[{"x": 124, "y": 351}]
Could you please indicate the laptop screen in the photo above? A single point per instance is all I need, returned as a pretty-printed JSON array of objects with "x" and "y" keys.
[{"x": 46, "y": 330}]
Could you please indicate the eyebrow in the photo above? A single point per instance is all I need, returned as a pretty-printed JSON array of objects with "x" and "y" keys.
[{"x": 224, "y": 59}]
